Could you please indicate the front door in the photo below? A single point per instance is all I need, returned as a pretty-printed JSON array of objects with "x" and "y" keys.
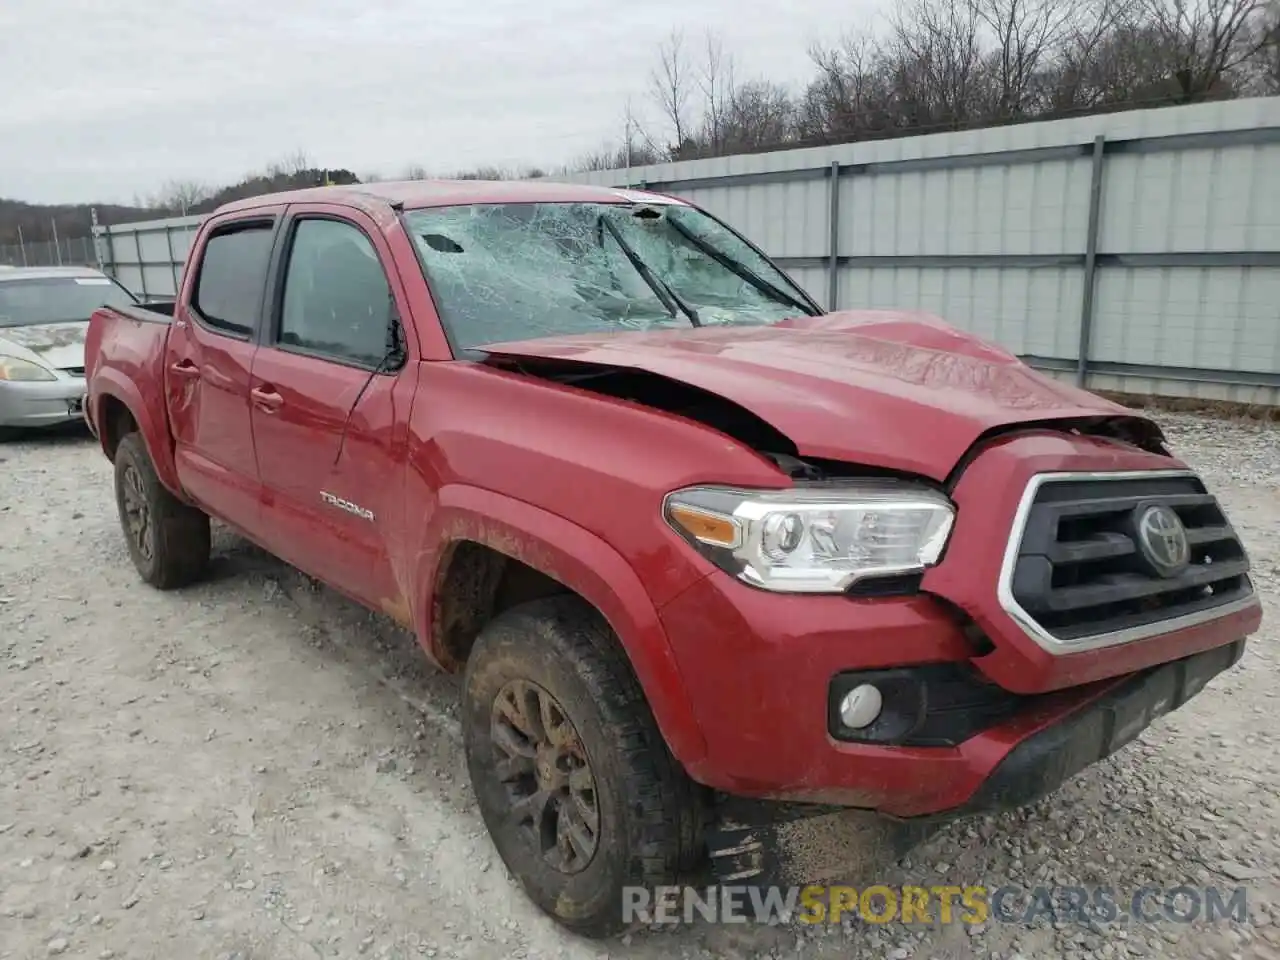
[
  {"x": 211, "y": 348},
  {"x": 331, "y": 392}
]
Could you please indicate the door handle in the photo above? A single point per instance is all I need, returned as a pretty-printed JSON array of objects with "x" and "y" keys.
[
  {"x": 185, "y": 368},
  {"x": 266, "y": 399}
]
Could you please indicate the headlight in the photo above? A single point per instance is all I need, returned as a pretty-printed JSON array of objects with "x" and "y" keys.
[
  {"x": 13, "y": 368},
  {"x": 816, "y": 538}
]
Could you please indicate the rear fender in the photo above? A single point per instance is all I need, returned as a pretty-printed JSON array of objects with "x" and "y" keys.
[
  {"x": 582, "y": 562},
  {"x": 110, "y": 383}
]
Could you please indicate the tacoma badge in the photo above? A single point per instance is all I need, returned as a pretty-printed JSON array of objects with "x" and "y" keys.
[{"x": 346, "y": 505}]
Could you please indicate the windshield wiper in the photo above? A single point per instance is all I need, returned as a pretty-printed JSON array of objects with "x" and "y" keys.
[
  {"x": 670, "y": 299},
  {"x": 741, "y": 269}
]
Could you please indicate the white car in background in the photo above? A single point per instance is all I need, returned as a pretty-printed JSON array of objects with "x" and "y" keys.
[{"x": 44, "y": 315}]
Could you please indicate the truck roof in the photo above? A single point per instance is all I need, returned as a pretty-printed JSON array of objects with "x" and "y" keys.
[
  {"x": 46, "y": 273},
  {"x": 416, "y": 194}
]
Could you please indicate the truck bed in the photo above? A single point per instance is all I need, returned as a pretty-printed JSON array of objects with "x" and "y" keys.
[
  {"x": 154, "y": 311},
  {"x": 124, "y": 353}
]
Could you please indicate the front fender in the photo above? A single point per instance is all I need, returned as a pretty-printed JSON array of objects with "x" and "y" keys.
[
  {"x": 585, "y": 564},
  {"x": 155, "y": 432}
]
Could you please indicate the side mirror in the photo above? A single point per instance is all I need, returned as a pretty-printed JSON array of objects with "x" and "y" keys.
[{"x": 397, "y": 351}]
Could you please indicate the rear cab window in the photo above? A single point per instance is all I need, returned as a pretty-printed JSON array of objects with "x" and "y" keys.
[{"x": 232, "y": 274}]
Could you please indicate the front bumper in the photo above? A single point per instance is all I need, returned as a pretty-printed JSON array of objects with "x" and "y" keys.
[
  {"x": 760, "y": 667},
  {"x": 784, "y": 844},
  {"x": 44, "y": 403},
  {"x": 1043, "y": 762}
]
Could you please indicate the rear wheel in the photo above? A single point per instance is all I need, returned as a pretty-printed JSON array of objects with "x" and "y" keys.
[
  {"x": 168, "y": 540},
  {"x": 576, "y": 785}
]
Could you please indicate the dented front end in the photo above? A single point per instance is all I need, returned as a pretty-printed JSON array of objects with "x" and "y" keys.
[
  {"x": 1044, "y": 640},
  {"x": 1074, "y": 589},
  {"x": 1043, "y": 636},
  {"x": 964, "y": 670}
]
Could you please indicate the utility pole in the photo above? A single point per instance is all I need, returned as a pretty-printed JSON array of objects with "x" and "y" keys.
[
  {"x": 53, "y": 222},
  {"x": 95, "y": 230},
  {"x": 627, "y": 141}
]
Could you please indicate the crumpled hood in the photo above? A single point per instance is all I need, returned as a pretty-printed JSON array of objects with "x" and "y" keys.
[
  {"x": 894, "y": 390},
  {"x": 57, "y": 345}
]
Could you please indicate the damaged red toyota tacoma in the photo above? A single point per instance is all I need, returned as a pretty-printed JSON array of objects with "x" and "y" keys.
[{"x": 716, "y": 565}]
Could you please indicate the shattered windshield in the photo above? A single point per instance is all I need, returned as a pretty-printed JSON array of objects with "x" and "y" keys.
[{"x": 520, "y": 271}]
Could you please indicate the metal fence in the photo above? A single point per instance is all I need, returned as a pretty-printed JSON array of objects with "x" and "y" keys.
[
  {"x": 1135, "y": 251},
  {"x": 68, "y": 251},
  {"x": 147, "y": 257}
]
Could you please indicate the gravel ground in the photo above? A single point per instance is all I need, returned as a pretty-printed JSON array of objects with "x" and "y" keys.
[{"x": 256, "y": 768}]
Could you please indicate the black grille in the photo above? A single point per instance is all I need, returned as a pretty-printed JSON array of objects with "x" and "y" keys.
[
  {"x": 74, "y": 371},
  {"x": 1080, "y": 571}
]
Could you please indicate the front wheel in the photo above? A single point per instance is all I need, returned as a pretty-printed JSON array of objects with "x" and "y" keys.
[
  {"x": 576, "y": 786},
  {"x": 169, "y": 541}
]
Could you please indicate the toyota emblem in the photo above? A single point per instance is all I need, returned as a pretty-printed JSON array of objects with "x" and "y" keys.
[{"x": 1163, "y": 540}]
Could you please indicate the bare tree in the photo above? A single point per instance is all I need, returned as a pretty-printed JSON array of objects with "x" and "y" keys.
[
  {"x": 486, "y": 173},
  {"x": 1073, "y": 80},
  {"x": 1205, "y": 41},
  {"x": 639, "y": 147},
  {"x": 728, "y": 115},
  {"x": 610, "y": 157},
  {"x": 1026, "y": 34},
  {"x": 179, "y": 196},
  {"x": 715, "y": 80},
  {"x": 296, "y": 162},
  {"x": 759, "y": 115},
  {"x": 850, "y": 95},
  {"x": 672, "y": 82},
  {"x": 290, "y": 166},
  {"x": 1269, "y": 52},
  {"x": 938, "y": 63},
  {"x": 1261, "y": 72}
]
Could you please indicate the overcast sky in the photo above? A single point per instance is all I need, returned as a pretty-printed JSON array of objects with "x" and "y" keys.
[{"x": 106, "y": 101}]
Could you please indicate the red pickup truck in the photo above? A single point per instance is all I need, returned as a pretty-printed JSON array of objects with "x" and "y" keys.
[{"x": 715, "y": 563}]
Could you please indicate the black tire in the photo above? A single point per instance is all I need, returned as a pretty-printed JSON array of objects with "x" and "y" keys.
[
  {"x": 648, "y": 813},
  {"x": 168, "y": 540}
]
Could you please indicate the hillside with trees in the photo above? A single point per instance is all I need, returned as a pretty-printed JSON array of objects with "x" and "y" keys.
[
  {"x": 37, "y": 223},
  {"x": 934, "y": 65}
]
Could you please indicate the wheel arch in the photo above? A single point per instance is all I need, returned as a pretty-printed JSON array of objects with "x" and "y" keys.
[
  {"x": 506, "y": 551},
  {"x": 119, "y": 409}
]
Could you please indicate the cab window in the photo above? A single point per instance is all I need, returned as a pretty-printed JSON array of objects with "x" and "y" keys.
[
  {"x": 337, "y": 302},
  {"x": 233, "y": 271}
]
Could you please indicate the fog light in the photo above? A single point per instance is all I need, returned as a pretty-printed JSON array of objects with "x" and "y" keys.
[{"x": 860, "y": 706}]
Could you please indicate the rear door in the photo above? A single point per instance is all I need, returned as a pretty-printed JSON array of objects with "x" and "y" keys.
[
  {"x": 210, "y": 355},
  {"x": 331, "y": 403}
]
